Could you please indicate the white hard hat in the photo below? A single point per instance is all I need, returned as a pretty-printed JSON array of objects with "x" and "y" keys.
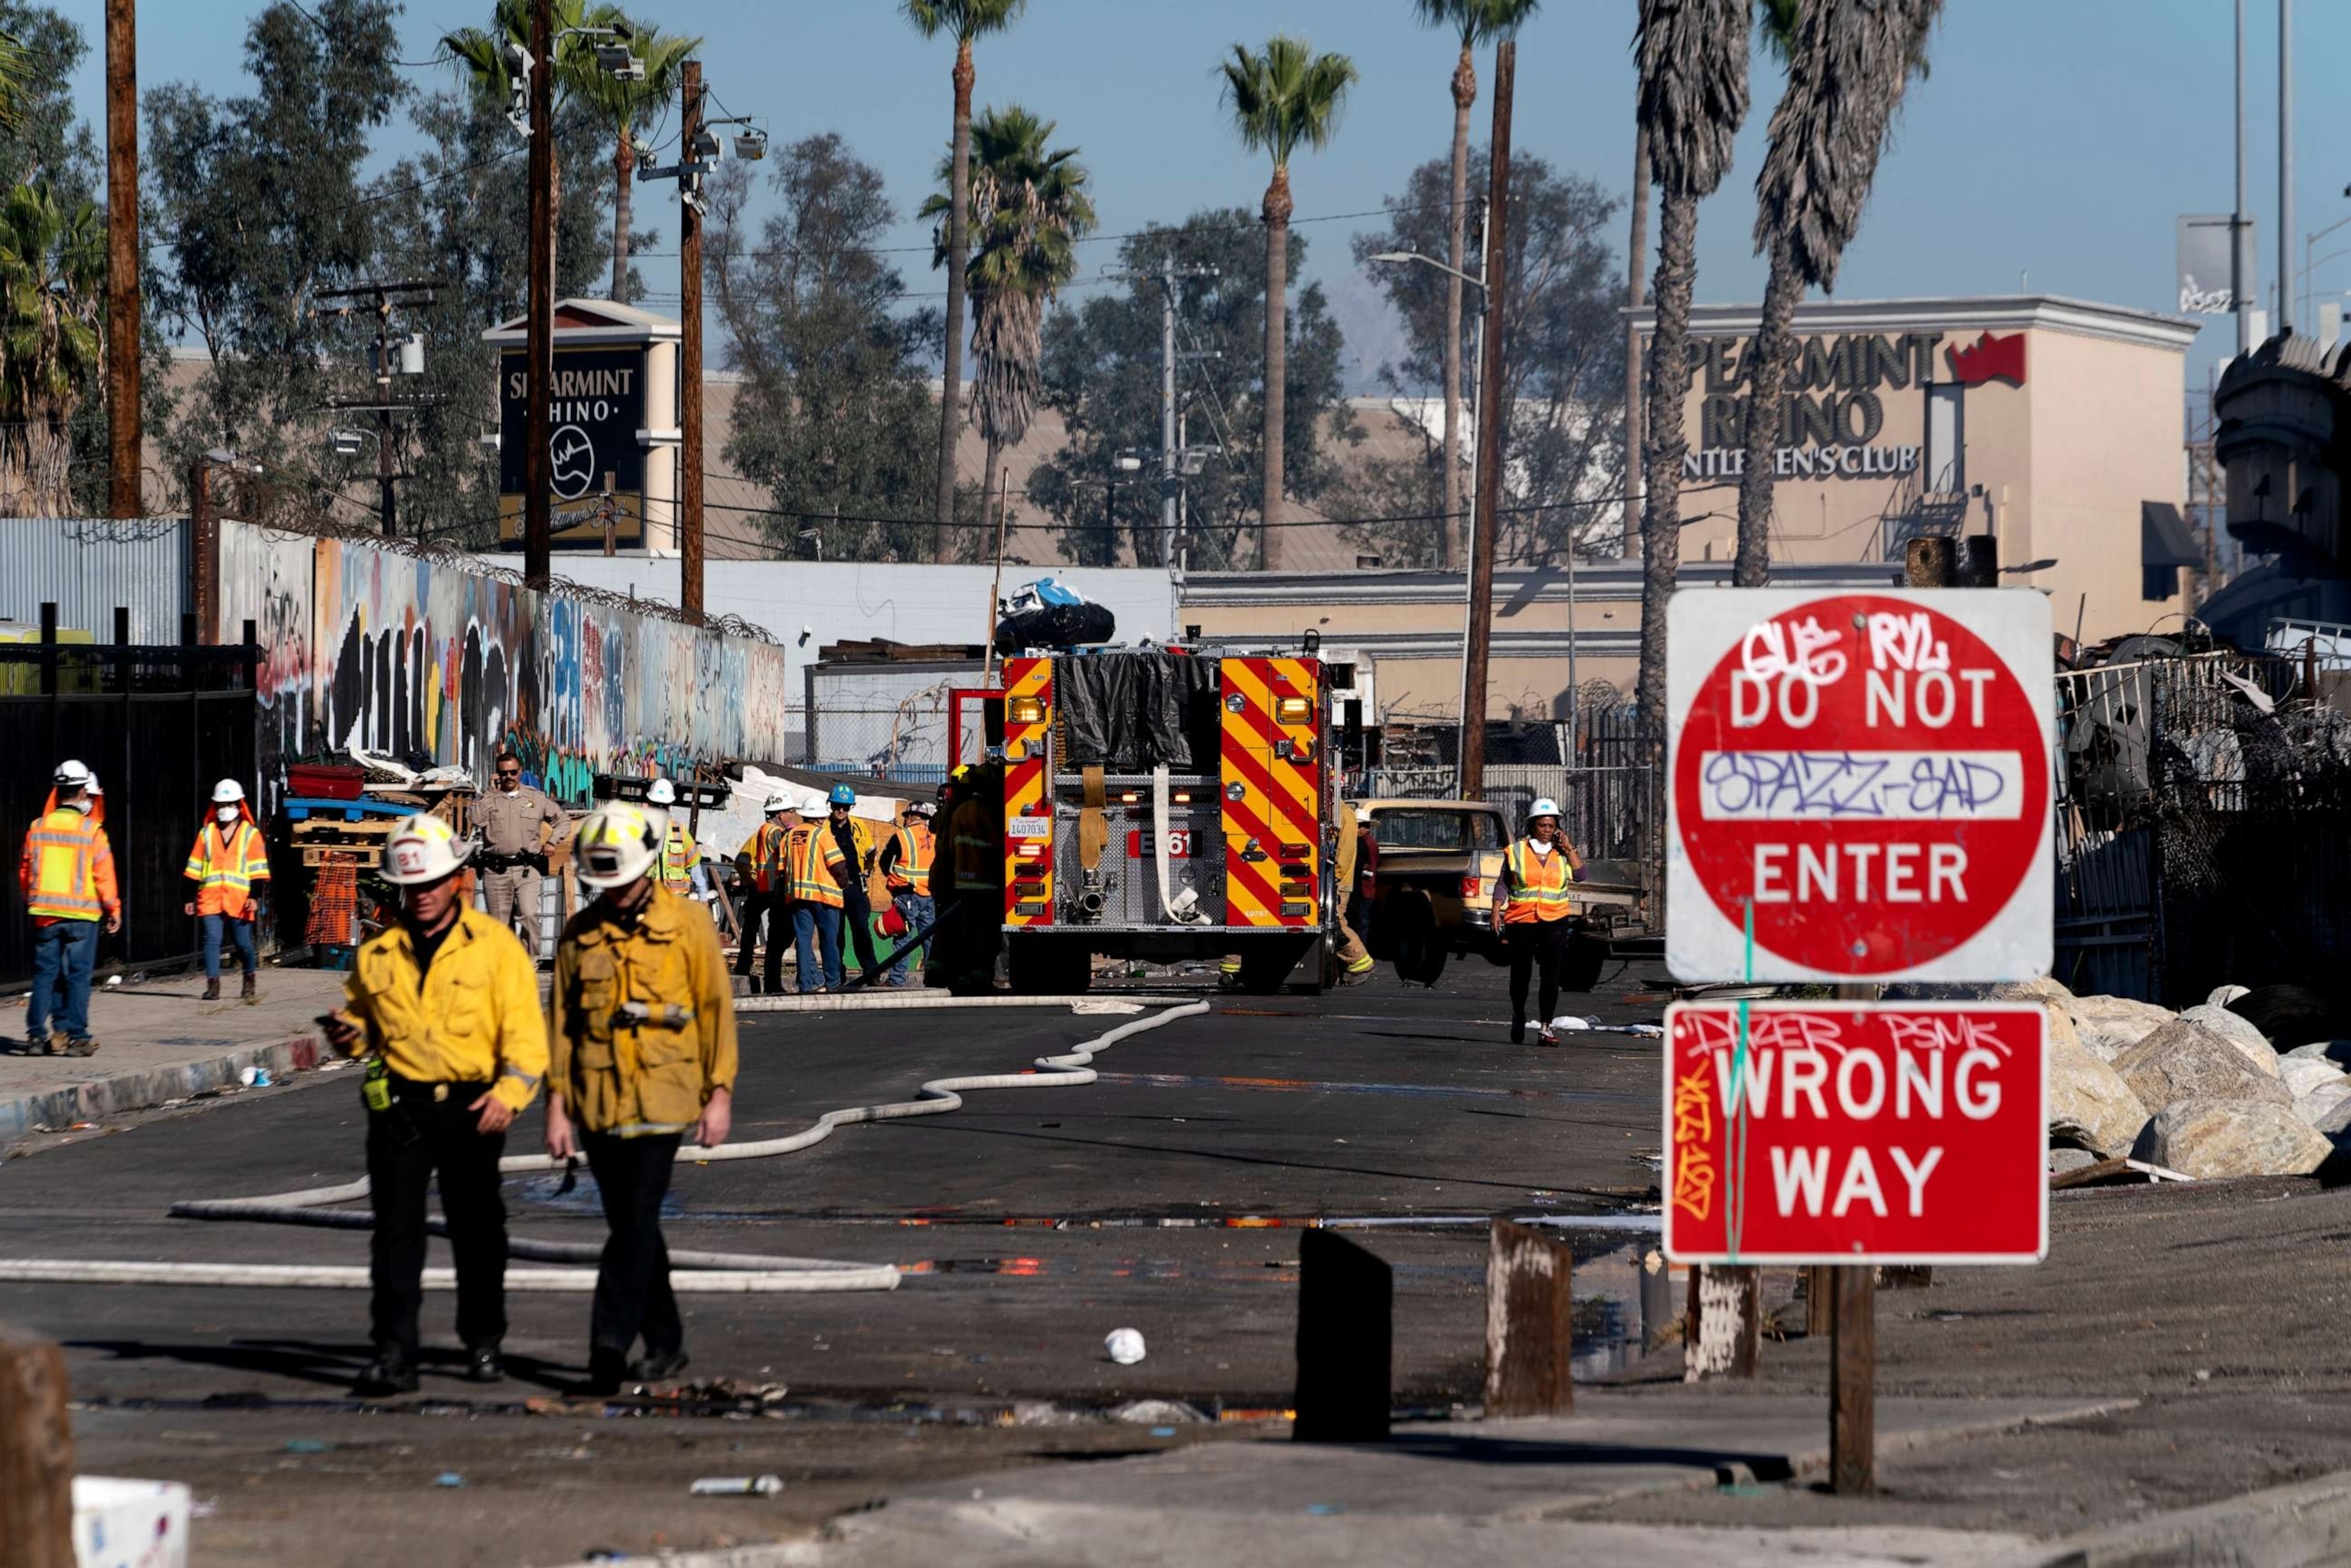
[
  {"x": 1544, "y": 807},
  {"x": 422, "y": 849},
  {"x": 71, "y": 775},
  {"x": 813, "y": 806},
  {"x": 661, "y": 792},
  {"x": 925, "y": 809},
  {"x": 618, "y": 843},
  {"x": 227, "y": 791},
  {"x": 778, "y": 803}
]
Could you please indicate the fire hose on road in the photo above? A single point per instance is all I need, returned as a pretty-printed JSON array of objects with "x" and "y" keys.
[{"x": 701, "y": 1273}]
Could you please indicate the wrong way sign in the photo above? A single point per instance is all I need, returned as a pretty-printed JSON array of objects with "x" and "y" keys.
[
  {"x": 1856, "y": 1133},
  {"x": 1860, "y": 785}
]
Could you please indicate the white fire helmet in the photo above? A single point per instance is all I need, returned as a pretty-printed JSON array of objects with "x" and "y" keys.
[
  {"x": 423, "y": 849},
  {"x": 661, "y": 792},
  {"x": 618, "y": 843},
  {"x": 227, "y": 792}
]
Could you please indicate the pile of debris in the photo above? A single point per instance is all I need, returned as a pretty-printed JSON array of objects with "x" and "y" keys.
[{"x": 2245, "y": 1083}]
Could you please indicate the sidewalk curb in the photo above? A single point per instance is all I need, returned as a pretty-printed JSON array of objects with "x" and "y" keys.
[
  {"x": 2284, "y": 1527},
  {"x": 143, "y": 1089},
  {"x": 894, "y": 1001}
]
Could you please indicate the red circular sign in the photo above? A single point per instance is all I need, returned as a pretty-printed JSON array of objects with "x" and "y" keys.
[{"x": 1868, "y": 776}]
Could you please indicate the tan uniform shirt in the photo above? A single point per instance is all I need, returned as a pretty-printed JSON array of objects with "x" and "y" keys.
[
  {"x": 510, "y": 823},
  {"x": 642, "y": 1016}
]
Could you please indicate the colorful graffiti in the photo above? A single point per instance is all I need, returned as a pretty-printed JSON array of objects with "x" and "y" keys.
[{"x": 435, "y": 664}]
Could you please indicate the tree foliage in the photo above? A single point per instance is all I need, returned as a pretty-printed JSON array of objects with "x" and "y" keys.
[
  {"x": 835, "y": 409},
  {"x": 1562, "y": 367},
  {"x": 52, "y": 274},
  {"x": 1101, "y": 372}
]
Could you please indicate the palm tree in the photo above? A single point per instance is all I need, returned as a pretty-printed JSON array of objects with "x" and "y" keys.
[
  {"x": 1476, "y": 21},
  {"x": 1027, "y": 208},
  {"x": 618, "y": 103},
  {"x": 480, "y": 56},
  {"x": 1693, "y": 97},
  {"x": 1286, "y": 96},
  {"x": 52, "y": 282},
  {"x": 964, "y": 20},
  {"x": 1848, "y": 64}
]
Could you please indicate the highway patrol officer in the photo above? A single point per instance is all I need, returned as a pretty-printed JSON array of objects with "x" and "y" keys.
[
  {"x": 445, "y": 1004},
  {"x": 644, "y": 1033},
  {"x": 518, "y": 825}
]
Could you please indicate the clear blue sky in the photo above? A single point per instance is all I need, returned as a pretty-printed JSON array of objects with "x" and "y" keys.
[{"x": 2056, "y": 138}]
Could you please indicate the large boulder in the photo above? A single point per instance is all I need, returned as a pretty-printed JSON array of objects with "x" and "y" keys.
[
  {"x": 2302, "y": 1074},
  {"x": 2336, "y": 1123},
  {"x": 2112, "y": 1024},
  {"x": 2062, "y": 1035},
  {"x": 2089, "y": 1103},
  {"x": 2337, "y": 1051},
  {"x": 2223, "y": 995},
  {"x": 2236, "y": 1033},
  {"x": 2187, "y": 1061},
  {"x": 2044, "y": 989},
  {"x": 2316, "y": 1105},
  {"x": 2212, "y": 1138}
]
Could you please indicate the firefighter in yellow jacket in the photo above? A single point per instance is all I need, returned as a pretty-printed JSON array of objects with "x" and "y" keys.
[
  {"x": 67, "y": 876},
  {"x": 445, "y": 1004},
  {"x": 228, "y": 859},
  {"x": 643, "y": 1023}
]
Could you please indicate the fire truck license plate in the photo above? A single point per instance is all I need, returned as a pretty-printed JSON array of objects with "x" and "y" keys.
[
  {"x": 1179, "y": 844},
  {"x": 1028, "y": 828}
]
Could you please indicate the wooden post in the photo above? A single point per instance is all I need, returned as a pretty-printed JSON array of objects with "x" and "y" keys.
[
  {"x": 1725, "y": 1327},
  {"x": 539, "y": 301},
  {"x": 1345, "y": 1345},
  {"x": 1852, "y": 1382},
  {"x": 1471, "y": 774},
  {"x": 1530, "y": 1324},
  {"x": 203, "y": 551},
  {"x": 36, "y": 1458},
  {"x": 122, "y": 305}
]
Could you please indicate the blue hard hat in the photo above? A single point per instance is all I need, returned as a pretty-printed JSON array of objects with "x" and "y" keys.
[{"x": 842, "y": 794}]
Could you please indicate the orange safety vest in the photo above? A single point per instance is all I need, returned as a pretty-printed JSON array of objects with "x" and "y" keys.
[
  {"x": 812, "y": 881},
  {"x": 911, "y": 871},
  {"x": 1539, "y": 884},
  {"x": 67, "y": 869},
  {"x": 225, "y": 866},
  {"x": 766, "y": 849}
]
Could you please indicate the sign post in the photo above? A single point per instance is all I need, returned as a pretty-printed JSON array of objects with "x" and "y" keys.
[{"x": 1860, "y": 791}]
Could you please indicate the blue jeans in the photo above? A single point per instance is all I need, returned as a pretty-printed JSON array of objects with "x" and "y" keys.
[
  {"x": 240, "y": 932},
  {"x": 63, "y": 952},
  {"x": 915, "y": 909},
  {"x": 821, "y": 921}
]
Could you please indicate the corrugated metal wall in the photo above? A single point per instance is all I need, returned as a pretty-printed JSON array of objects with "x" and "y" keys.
[{"x": 87, "y": 566}]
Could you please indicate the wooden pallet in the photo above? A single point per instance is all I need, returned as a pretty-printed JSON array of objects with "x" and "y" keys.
[{"x": 334, "y": 854}]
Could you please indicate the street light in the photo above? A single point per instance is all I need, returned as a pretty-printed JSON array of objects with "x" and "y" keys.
[{"x": 2309, "y": 245}]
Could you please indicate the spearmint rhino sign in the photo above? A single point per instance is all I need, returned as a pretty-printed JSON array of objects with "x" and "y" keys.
[
  {"x": 1832, "y": 411},
  {"x": 596, "y": 405}
]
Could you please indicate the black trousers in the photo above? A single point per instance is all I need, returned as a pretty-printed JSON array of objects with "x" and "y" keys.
[
  {"x": 406, "y": 1144},
  {"x": 633, "y": 1293},
  {"x": 1536, "y": 945},
  {"x": 775, "y": 904},
  {"x": 857, "y": 925}
]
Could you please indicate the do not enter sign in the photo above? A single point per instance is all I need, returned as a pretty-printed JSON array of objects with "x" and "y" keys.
[
  {"x": 1852, "y": 1133},
  {"x": 1860, "y": 785}
]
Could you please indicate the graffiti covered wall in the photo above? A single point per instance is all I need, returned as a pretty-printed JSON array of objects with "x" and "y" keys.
[{"x": 375, "y": 648}]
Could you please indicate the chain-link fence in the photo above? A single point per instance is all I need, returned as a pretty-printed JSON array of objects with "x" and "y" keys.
[{"x": 1603, "y": 773}]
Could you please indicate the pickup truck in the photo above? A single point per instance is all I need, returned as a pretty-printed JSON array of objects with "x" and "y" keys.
[{"x": 1431, "y": 891}]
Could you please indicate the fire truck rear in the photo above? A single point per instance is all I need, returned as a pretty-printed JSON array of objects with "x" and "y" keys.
[{"x": 1167, "y": 803}]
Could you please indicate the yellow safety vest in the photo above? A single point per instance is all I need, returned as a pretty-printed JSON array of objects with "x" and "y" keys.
[
  {"x": 677, "y": 860},
  {"x": 67, "y": 869},
  {"x": 911, "y": 871},
  {"x": 224, "y": 866},
  {"x": 1539, "y": 884}
]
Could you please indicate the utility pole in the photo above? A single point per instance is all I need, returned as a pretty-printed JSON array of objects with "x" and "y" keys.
[
  {"x": 122, "y": 324},
  {"x": 689, "y": 389},
  {"x": 1170, "y": 460},
  {"x": 380, "y": 300},
  {"x": 540, "y": 344},
  {"x": 2240, "y": 271},
  {"x": 1472, "y": 744},
  {"x": 2285, "y": 166}
]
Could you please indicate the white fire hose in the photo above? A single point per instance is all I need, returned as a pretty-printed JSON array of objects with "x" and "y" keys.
[{"x": 701, "y": 1272}]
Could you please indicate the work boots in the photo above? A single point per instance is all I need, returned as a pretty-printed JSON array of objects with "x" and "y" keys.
[
  {"x": 212, "y": 988},
  {"x": 248, "y": 995}
]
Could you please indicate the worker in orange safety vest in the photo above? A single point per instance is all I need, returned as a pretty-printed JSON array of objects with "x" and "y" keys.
[
  {"x": 67, "y": 876},
  {"x": 228, "y": 858}
]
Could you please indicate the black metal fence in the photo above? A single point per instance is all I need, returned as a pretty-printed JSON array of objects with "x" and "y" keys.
[
  {"x": 158, "y": 726},
  {"x": 1604, "y": 773}
]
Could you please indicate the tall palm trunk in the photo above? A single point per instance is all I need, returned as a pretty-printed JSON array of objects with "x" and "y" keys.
[
  {"x": 991, "y": 486},
  {"x": 1635, "y": 293},
  {"x": 1465, "y": 93},
  {"x": 1768, "y": 353},
  {"x": 1661, "y": 519},
  {"x": 1276, "y": 213},
  {"x": 624, "y": 168},
  {"x": 958, "y": 244}
]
